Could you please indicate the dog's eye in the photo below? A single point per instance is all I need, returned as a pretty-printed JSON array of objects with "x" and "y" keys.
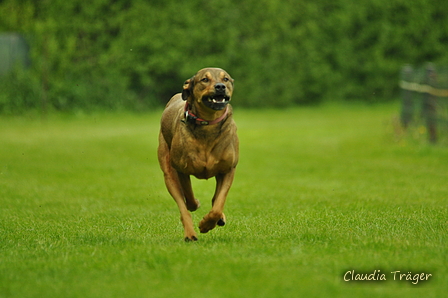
[
  {"x": 205, "y": 80},
  {"x": 226, "y": 79}
]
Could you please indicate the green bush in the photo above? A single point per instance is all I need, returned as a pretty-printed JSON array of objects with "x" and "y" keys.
[
  {"x": 19, "y": 91},
  {"x": 121, "y": 54}
]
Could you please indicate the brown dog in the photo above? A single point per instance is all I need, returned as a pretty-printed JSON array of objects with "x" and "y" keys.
[{"x": 198, "y": 137}]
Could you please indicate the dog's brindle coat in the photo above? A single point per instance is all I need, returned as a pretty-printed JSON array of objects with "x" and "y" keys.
[{"x": 198, "y": 137}]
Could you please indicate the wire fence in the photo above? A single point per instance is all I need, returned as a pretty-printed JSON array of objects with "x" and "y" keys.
[{"x": 425, "y": 101}]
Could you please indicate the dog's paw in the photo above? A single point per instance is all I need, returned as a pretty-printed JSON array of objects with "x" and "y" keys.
[
  {"x": 193, "y": 206},
  {"x": 210, "y": 221},
  {"x": 222, "y": 221},
  {"x": 191, "y": 238},
  {"x": 206, "y": 225}
]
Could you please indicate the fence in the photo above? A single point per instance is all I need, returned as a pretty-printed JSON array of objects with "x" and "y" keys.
[
  {"x": 13, "y": 50},
  {"x": 425, "y": 100}
]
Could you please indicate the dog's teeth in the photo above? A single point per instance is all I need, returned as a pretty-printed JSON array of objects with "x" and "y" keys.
[{"x": 214, "y": 100}]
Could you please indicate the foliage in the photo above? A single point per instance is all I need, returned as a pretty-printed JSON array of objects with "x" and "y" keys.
[
  {"x": 19, "y": 92},
  {"x": 136, "y": 54},
  {"x": 318, "y": 192}
]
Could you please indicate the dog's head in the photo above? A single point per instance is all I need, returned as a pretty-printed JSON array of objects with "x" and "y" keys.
[{"x": 210, "y": 87}]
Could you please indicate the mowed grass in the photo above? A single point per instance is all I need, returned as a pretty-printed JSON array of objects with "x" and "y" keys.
[{"x": 319, "y": 191}]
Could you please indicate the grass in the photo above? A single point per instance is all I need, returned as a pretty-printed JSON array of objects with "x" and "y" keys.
[{"x": 318, "y": 191}]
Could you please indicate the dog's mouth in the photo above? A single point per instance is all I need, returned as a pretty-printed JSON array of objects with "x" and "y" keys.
[{"x": 216, "y": 102}]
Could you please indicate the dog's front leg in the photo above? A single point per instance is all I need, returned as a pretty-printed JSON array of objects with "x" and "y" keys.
[
  {"x": 174, "y": 188},
  {"x": 216, "y": 215}
]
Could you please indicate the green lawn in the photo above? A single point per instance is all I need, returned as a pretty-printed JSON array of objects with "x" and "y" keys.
[{"x": 319, "y": 191}]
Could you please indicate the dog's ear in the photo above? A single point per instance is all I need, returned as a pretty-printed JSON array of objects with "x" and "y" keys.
[{"x": 187, "y": 88}]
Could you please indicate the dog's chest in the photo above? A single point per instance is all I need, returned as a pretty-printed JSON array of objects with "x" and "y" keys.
[{"x": 203, "y": 159}]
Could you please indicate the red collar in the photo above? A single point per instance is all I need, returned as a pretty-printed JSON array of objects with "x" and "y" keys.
[{"x": 192, "y": 118}]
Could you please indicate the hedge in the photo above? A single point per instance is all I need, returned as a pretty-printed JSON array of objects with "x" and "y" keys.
[{"x": 123, "y": 54}]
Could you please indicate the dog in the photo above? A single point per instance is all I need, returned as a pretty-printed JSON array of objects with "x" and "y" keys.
[{"x": 198, "y": 137}]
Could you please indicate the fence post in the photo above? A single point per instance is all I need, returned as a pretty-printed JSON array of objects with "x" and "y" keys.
[
  {"x": 407, "y": 106},
  {"x": 430, "y": 104}
]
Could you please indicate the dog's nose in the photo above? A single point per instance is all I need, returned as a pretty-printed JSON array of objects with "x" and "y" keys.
[{"x": 220, "y": 88}]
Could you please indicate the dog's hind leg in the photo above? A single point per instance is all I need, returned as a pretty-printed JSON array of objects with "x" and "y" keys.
[{"x": 190, "y": 201}]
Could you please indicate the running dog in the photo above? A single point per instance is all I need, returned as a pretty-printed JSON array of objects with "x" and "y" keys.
[{"x": 198, "y": 137}]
